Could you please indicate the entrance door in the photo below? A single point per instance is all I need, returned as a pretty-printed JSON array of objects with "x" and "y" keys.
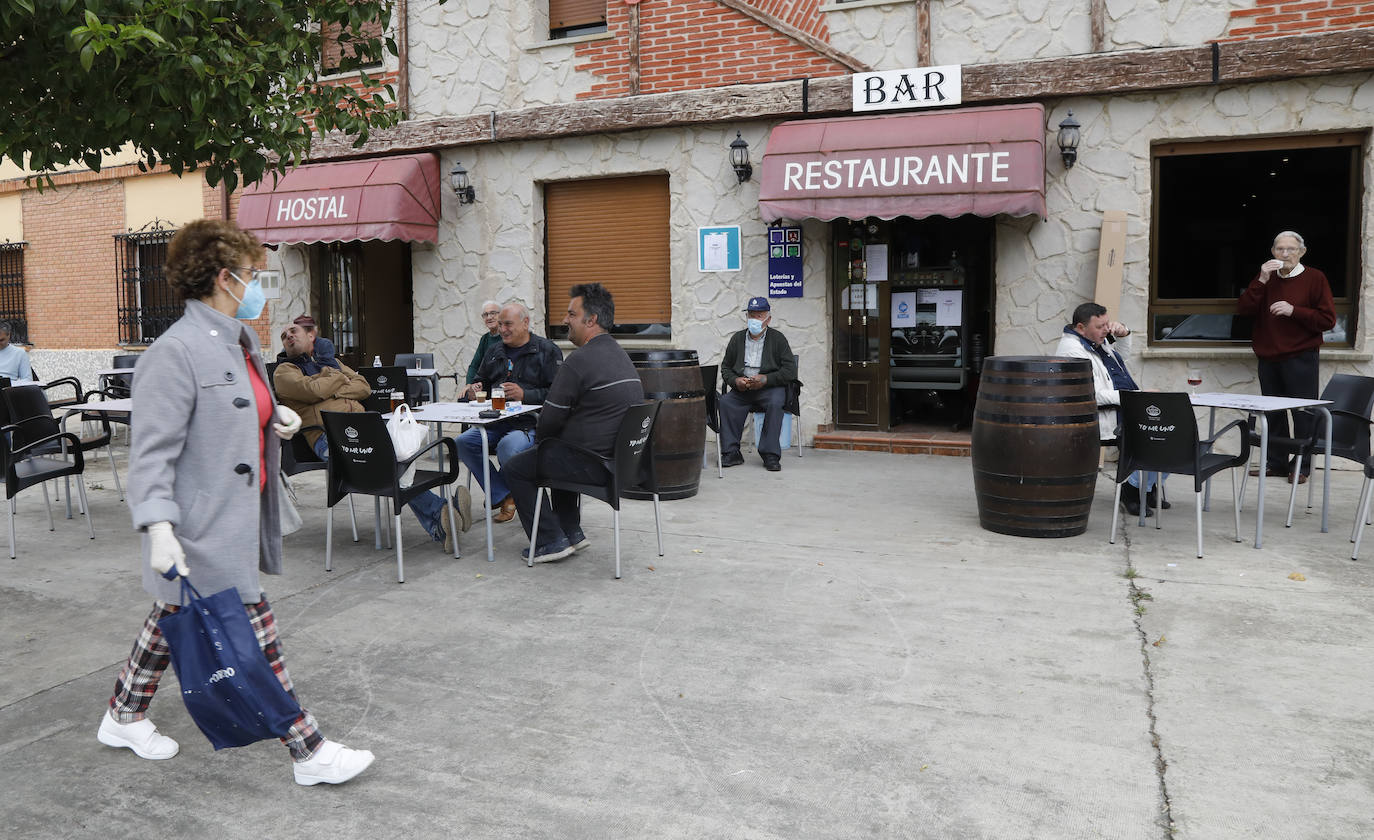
[
  {"x": 362, "y": 298},
  {"x": 860, "y": 341}
]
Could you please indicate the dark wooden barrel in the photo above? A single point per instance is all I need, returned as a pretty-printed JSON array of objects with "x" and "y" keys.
[
  {"x": 673, "y": 377},
  {"x": 1035, "y": 445}
]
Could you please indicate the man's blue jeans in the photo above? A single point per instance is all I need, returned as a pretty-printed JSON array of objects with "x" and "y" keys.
[
  {"x": 505, "y": 443},
  {"x": 427, "y": 507}
]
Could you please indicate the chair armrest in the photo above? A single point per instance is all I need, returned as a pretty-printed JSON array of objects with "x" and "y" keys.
[
  {"x": 1354, "y": 415},
  {"x": 1228, "y": 427},
  {"x": 66, "y": 437},
  {"x": 453, "y": 451}
]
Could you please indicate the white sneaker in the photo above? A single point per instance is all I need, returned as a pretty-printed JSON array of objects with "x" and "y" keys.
[
  {"x": 140, "y": 736},
  {"x": 333, "y": 764}
]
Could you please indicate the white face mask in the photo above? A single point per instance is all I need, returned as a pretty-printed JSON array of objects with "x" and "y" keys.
[{"x": 755, "y": 326}]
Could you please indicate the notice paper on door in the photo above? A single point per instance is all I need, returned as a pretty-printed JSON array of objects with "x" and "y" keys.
[{"x": 949, "y": 307}]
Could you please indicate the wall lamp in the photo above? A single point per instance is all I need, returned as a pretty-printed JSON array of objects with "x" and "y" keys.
[
  {"x": 458, "y": 178},
  {"x": 1068, "y": 140},
  {"x": 739, "y": 158}
]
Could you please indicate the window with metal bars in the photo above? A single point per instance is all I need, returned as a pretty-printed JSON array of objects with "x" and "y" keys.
[
  {"x": 147, "y": 303},
  {"x": 12, "y": 290}
]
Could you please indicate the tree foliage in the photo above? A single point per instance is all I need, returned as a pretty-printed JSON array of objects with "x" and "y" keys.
[{"x": 224, "y": 84}]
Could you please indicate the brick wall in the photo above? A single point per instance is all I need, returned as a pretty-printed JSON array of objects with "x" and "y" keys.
[
  {"x": 688, "y": 44},
  {"x": 1271, "y": 18}
]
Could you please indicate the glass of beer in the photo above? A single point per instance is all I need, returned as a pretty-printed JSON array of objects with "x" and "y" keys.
[
  {"x": 479, "y": 395},
  {"x": 498, "y": 398},
  {"x": 397, "y": 397}
]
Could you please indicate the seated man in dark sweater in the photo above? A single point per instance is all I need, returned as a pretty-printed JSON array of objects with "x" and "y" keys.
[
  {"x": 594, "y": 388},
  {"x": 1292, "y": 306},
  {"x": 758, "y": 367}
]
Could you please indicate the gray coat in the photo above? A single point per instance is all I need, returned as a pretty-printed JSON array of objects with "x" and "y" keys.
[{"x": 193, "y": 459}]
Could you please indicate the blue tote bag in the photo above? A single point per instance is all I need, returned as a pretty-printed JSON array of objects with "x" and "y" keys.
[{"x": 227, "y": 683}]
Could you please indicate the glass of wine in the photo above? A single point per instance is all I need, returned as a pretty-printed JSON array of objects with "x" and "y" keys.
[{"x": 1194, "y": 379}]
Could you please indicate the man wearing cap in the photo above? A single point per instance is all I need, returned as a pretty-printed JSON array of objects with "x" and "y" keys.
[{"x": 757, "y": 369}]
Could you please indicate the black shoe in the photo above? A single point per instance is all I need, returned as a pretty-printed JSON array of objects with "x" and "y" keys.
[
  {"x": 773, "y": 464},
  {"x": 731, "y": 459},
  {"x": 1150, "y": 500},
  {"x": 1130, "y": 499}
]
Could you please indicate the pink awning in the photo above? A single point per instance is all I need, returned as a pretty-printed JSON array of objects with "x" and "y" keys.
[
  {"x": 378, "y": 198},
  {"x": 983, "y": 161}
]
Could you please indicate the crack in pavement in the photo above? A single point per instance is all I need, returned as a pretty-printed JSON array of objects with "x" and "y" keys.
[{"x": 1138, "y": 597}]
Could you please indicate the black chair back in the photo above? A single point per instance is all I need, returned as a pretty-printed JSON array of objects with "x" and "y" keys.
[
  {"x": 710, "y": 374},
  {"x": 1352, "y": 399},
  {"x": 120, "y": 386},
  {"x": 416, "y": 391},
  {"x": 31, "y": 415},
  {"x": 297, "y": 456},
  {"x": 383, "y": 381},
  {"x": 361, "y": 457},
  {"x": 634, "y": 450},
  {"x": 1158, "y": 433}
]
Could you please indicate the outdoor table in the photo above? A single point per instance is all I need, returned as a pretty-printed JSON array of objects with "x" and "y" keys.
[
  {"x": 124, "y": 406},
  {"x": 439, "y": 413},
  {"x": 1259, "y": 404},
  {"x": 104, "y": 376}
]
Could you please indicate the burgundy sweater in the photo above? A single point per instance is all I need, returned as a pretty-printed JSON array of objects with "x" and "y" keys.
[{"x": 1276, "y": 336}]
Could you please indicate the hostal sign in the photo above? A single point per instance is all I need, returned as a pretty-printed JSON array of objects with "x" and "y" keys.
[{"x": 918, "y": 87}]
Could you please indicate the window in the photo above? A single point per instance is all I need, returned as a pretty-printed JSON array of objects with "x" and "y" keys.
[
  {"x": 336, "y": 46},
  {"x": 1217, "y": 208},
  {"x": 576, "y": 17},
  {"x": 12, "y": 290},
  {"x": 612, "y": 231},
  {"x": 147, "y": 303}
]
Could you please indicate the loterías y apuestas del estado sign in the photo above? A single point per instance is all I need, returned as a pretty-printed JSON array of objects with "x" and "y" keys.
[{"x": 916, "y": 87}]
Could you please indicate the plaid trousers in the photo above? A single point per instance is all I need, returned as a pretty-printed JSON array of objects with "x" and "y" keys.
[{"x": 138, "y": 680}]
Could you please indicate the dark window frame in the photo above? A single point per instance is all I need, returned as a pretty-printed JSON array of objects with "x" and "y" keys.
[
  {"x": 1163, "y": 310},
  {"x": 13, "y": 306},
  {"x": 148, "y": 304}
]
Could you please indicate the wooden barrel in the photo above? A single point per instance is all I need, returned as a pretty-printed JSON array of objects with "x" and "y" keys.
[
  {"x": 1035, "y": 445},
  {"x": 673, "y": 377}
]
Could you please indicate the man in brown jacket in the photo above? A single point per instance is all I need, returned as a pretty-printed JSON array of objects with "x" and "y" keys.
[{"x": 311, "y": 380}]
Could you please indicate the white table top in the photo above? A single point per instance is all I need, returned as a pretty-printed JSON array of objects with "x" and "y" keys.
[
  {"x": 421, "y": 372},
  {"x": 1254, "y": 402},
  {"x": 124, "y": 406},
  {"x": 115, "y": 371},
  {"x": 456, "y": 412}
]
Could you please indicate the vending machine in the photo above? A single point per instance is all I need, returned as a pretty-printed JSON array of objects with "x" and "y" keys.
[{"x": 929, "y": 349}]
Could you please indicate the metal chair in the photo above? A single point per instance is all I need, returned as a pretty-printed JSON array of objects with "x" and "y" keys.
[
  {"x": 120, "y": 385},
  {"x": 1159, "y": 434},
  {"x": 419, "y": 385},
  {"x": 362, "y": 460},
  {"x": 383, "y": 381},
  {"x": 709, "y": 376},
  {"x": 30, "y": 410},
  {"x": 631, "y": 467},
  {"x": 56, "y": 385},
  {"x": 38, "y": 459}
]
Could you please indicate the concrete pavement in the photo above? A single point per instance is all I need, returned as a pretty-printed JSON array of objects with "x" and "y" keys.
[{"x": 837, "y": 650}]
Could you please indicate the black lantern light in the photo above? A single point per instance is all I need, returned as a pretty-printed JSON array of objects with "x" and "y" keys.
[
  {"x": 458, "y": 178},
  {"x": 1068, "y": 140},
  {"x": 739, "y": 158}
]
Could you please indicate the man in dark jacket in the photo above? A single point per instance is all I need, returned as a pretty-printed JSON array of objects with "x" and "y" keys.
[
  {"x": 758, "y": 367},
  {"x": 1292, "y": 306},
  {"x": 524, "y": 365},
  {"x": 589, "y": 397}
]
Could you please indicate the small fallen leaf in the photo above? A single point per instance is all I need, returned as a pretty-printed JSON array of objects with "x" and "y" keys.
[
  {"x": 651, "y": 568},
  {"x": 1297, "y": 576},
  {"x": 923, "y": 767},
  {"x": 1158, "y": 642},
  {"x": 696, "y": 551},
  {"x": 820, "y": 564},
  {"x": 479, "y": 575}
]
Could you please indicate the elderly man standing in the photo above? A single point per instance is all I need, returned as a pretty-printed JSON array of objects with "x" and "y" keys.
[
  {"x": 1087, "y": 338},
  {"x": 524, "y": 365},
  {"x": 14, "y": 361},
  {"x": 311, "y": 380},
  {"x": 491, "y": 312},
  {"x": 758, "y": 366},
  {"x": 589, "y": 397},
  {"x": 1291, "y": 304}
]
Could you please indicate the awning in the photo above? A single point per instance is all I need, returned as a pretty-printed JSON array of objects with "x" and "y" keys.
[
  {"x": 378, "y": 198},
  {"x": 983, "y": 161}
]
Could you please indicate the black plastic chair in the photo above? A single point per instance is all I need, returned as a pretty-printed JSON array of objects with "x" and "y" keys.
[
  {"x": 298, "y": 457},
  {"x": 121, "y": 385},
  {"x": 57, "y": 386},
  {"x": 383, "y": 381},
  {"x": 630, "y": 468},
  {"x": 1352, "y": 402},
  {"x": 31, "y": 412},
  {"x": 420, "y": 389},
  {"x": 1362, "y": 509},
  {"x": 710, "y": 374},
  {"x": 362, "y": 460},
  {"x": 1159, "y": 434},
  {"x": 37, "y": 460}
]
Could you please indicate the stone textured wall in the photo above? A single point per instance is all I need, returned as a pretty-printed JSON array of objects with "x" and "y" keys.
[
  {"x": 882, "y": 35},
  {"x": 1044, "y": 269}
]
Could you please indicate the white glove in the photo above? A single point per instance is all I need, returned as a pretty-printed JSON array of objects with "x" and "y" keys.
[
  {"x": 288, "y": 423},
  {"x": 164, "y": 550}
]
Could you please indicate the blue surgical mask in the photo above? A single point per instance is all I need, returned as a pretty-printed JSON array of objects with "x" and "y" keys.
[
  {"x": 253, "y": 300},
  {"x": 755, "y": 326}
]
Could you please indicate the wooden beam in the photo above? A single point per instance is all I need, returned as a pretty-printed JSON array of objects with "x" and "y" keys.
[
  {"x": 924, "y": 55},
  {"x": 1097, "y": 21},
  {"x": 807, "y": 40},
  {"x": 1127, "y": 71},
  {"x": 634, "y": 49}
]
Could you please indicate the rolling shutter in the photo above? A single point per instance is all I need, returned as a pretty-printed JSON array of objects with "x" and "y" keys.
[
  {"x": 566, "y": 14},
  {"x": 612, "y": 231}
]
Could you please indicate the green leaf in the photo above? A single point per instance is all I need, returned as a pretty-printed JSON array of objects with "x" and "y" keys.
[{"x": 87, "y": 57}]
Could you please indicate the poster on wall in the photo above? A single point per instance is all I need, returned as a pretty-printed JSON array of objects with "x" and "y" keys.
[
  {"x": 784, "y": 262},
  {"x": 718, "y": 248}
]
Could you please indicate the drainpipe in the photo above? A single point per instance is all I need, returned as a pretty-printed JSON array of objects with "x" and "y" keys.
[{"x": 403, "y": 48}]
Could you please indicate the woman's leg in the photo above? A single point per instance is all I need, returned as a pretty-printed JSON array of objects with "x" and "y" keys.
[
  {"x": 138, "y": 680},
  {"x": 304, "y": 737}
]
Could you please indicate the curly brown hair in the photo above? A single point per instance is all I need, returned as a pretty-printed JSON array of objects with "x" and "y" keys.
[{"x": 201, "y": 249}]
